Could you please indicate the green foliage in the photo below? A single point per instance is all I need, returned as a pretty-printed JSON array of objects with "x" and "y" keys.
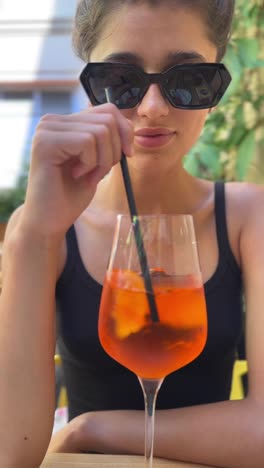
[
  {"x": 228, "y": 146},
  {"x": 12, "y": 198}
]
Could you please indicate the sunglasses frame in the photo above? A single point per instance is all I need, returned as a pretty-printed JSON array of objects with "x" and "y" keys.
[{"x": 159, "y": 78}]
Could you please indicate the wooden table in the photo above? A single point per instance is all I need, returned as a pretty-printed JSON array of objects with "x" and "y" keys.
[{"x": 68, "y": 460}]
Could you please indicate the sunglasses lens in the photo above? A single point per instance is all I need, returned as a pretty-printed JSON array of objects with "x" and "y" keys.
[
  {"x": 121, "y": 85},
  {"x": 194, "y": 88}
]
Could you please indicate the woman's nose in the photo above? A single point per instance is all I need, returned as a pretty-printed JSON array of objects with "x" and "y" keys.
[{"x": 153, "y": 104}]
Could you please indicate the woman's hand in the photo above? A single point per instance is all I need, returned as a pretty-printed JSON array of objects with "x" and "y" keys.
[{"x": 70, "y": 155}]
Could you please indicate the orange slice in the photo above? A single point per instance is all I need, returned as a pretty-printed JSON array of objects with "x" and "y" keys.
[{"x": 130, "y": 305}]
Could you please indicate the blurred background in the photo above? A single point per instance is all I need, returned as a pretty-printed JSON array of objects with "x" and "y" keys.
[{"x": 39, "y": 74}]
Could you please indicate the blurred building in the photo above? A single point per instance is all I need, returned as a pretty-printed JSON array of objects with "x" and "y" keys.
[{"x": 38, "y": 75}]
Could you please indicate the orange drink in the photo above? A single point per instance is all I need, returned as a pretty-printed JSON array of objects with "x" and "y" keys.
[
  {"x": 150, "y": 349},
  {"x": 152, "y": 316}
]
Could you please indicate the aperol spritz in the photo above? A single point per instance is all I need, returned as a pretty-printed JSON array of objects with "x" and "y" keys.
[{"x": 153, "y": 345}]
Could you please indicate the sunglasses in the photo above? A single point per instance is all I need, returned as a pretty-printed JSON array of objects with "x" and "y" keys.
[{"x": 187, "y": 86}]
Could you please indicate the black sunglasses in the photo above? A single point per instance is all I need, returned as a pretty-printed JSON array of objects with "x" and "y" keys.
[{"x": 187, "y": 86}]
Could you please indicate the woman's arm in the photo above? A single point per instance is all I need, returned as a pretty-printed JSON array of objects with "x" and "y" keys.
[
  {"x": 70, "y": 155},
  {"x": 227, "y": 434},
  {"x": 27, "y": 343}
]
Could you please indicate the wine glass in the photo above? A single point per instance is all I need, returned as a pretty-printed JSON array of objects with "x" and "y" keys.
[{"x": 153, "y": 322}]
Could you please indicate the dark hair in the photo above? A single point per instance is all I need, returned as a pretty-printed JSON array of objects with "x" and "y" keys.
[{"x": 91, "y": 16}]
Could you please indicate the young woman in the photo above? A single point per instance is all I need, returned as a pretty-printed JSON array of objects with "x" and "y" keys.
[{"x": 58, "y": 244}]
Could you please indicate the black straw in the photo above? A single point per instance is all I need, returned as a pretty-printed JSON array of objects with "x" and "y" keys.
[
  {"x": 139, "y": 241},
  {"x": 137, "y": 231}
]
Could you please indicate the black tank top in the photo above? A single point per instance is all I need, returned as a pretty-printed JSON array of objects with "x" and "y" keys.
[{"x": 94, "y": 381}]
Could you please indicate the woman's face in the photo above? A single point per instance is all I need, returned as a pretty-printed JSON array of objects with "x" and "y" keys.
[{"x": 156, "y": 39}]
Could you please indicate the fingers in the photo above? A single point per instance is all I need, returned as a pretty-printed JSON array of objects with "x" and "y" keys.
[
  {"x": 108, "y": 114},
  {"x": 125, "y": 127},
  {"x": 93, "y": 139},
  {"x": 106, "y": 150},
  {"x": 89, "y": 145}
]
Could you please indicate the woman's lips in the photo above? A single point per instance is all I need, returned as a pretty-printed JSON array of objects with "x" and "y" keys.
[{"x": 153, "y": 138}]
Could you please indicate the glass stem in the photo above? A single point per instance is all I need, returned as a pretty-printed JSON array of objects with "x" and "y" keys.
[{"x": 150, "y": 390}]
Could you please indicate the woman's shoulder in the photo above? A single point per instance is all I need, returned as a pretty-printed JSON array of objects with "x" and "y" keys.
[
  {"x": 245, "y": 205},
  {"x": 244, "y": 187},
  {"x": 245, "y": 195}
]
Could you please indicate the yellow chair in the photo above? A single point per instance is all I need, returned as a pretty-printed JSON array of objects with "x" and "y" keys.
[
  {"x": 62, "y": 400},
  {"x": 57, "y": 360},
  {"x": 240, "y": 369}
]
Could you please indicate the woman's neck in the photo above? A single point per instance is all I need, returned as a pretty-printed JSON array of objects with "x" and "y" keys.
[{"x": 172, "y": 192}]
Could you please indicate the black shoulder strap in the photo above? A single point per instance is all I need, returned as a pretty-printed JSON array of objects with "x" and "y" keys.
[
  {"x": 220, "y": 218},
  {"x": 72, "y": 243},
  {"x": 73, "y": 253}
]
